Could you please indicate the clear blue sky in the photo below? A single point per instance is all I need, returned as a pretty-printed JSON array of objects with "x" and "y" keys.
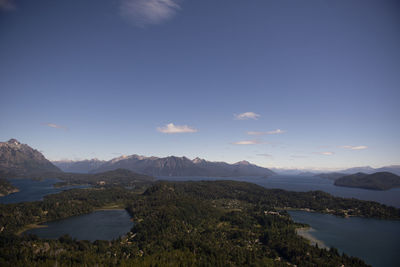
[{"x": 102, "y": 78}]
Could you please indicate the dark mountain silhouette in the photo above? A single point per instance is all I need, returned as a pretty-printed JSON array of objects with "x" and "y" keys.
[
  {"x": 182, "y": 166},
  {"x": 376, "y": 181}
]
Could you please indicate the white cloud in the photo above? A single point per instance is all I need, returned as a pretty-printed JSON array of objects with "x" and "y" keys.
[
  {"x": 7, "y": 4},
  {"x": 246, "y": 116},
  {"x": 248, "y": 142},
  {"x": 171, "y": 128},
  {"x": 277, "y": 131},
  {"x": 355, "y": 147},
  {"x": 325, "y": 153},
  {"x": 53, "y": 125},
  {"x": 147, "y": 12}
]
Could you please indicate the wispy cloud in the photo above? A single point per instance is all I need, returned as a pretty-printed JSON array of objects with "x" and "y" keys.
[
  {"x": 148, "y": 12},
  {"x": 7, "y": 4},
  {"x": 355, "y": 147},
  {"x": 325, "y": 153},
  {"x": 265, "y": 155},
  {"x": 248, "y": 142},
  {"x": 246, "y": 116},
  {"x": 56, "y": 126},
  {"x": 277, "y": 131},
  {"x": 171, "y": 128}
]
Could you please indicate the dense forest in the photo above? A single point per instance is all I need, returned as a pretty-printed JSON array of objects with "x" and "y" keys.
[
  {"x": 219, "y": 223},
  {"x": 6, "y": 187},
  {"x": 118, "y": 177},
  {"x": 374, "y": 181}
]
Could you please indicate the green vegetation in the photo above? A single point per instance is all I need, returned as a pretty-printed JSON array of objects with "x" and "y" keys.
[
  {"x": 119, "y": 177},
  {"x": 6, "y": 187},
  {"x": 14, "y": 217},
  {"x": 219, "y": 223},
  {"x": 375, "y": 181}
]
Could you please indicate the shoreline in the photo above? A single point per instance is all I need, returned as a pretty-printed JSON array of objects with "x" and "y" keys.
[
  {"x": 105, "y": 209},
  {"x": 16, "y": 190},
  {"x": 29, "y": 227},
  {"x": 305, "y": 232},
  {"x": 118, "y": 206}
]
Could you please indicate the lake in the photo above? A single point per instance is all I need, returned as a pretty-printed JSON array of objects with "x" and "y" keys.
[
  {"x": 375, "y": 241},
  {"x": 34, "y": 190},
  {"x": 98, "y": 225},
  {"x": 307, "y": 183}
]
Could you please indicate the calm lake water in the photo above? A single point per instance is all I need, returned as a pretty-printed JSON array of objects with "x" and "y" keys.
[
  {"x": 33, "y": 190},
  {"x": 377, "y": 242},
  {"x": 308, "y": 183},
  {"x": 99, "y": 225}
]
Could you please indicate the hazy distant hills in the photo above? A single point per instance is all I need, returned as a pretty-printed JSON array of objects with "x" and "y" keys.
[
  {"x": 393, "y": 169},
  {"x": 168, "y": 166},
  {"x": 333, "y": 175},
  {"x": 83, "y": 166},
  {"x": 376, "y": 181},
  {"x": 20, "y": 159},
  {"x": 369, "y": 170}
]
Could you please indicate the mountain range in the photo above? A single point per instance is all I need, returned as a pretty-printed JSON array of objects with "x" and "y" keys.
[
  {"x": 363, "y": 169},
  {"x": 369, "y": 170},
  {"x": 168, "y": 166},
  {"x": 80, "y": 166},
  {"x": 21, "y": 159}
]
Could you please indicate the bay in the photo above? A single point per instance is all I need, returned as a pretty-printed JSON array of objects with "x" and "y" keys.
[
  {"x": 375, "y": 241},
  {"x": 34, "y": 190}
]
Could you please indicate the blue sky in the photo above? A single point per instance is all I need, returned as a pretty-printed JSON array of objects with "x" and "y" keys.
[{"x": 315, "y": 83}]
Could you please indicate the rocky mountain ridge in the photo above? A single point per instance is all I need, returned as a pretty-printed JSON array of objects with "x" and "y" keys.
[
  {"x": 176, "y": 166},
  {"x": 19, "y": 159}
]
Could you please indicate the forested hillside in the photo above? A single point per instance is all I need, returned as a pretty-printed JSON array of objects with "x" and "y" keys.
[{"x": 182, "y": 223}]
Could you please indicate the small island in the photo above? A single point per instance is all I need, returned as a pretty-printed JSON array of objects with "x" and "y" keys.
[
  {"x": 375, "y": 181},
  {"x": 6, "y": 188}
]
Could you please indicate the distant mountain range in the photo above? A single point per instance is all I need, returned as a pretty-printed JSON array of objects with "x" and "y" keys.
[
  {"x": 369, "y": 170},
  {"x": 82, "y": 166},
  {"x": 21, "y": 159},
  {"x": 394, "y": 169},
  {"x": 283, "y": 171},
  {"x": 168, "y": 166},
  {"x": 364, "y": 169}
]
